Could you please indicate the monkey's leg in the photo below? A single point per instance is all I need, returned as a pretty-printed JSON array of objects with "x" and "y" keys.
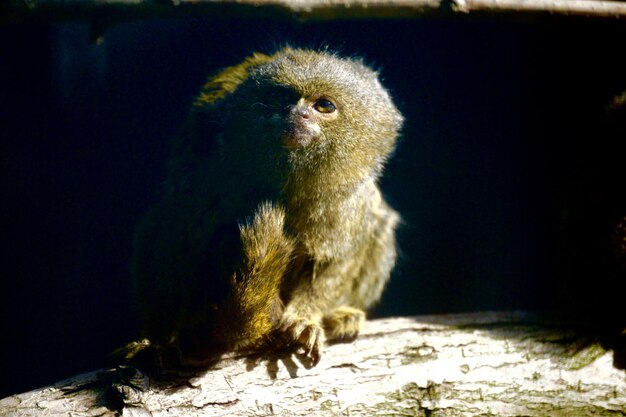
[{"x": 343, "y": 324}]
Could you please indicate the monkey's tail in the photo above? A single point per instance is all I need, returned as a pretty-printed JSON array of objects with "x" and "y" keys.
[{"x": 254, "y": 307}]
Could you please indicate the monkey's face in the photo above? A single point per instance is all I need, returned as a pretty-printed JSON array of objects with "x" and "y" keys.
[
  {"x": 290, "y": 115},
  {"x": 323, "y": 114},
  {"x": 305, "y": 120}
]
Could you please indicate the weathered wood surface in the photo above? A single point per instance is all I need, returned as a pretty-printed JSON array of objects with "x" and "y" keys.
[
  {"x": 28, "y": 10},
  {"x": 487, "y": 364}
]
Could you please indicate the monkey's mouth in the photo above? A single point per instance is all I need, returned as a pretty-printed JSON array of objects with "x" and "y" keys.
[{"x": 299, "y": 134}]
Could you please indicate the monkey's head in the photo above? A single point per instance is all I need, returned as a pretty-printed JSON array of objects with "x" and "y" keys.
[{"x": 329, "y": 117}]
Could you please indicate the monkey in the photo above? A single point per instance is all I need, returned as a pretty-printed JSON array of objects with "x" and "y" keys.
[{"x": 272, "y": 227}]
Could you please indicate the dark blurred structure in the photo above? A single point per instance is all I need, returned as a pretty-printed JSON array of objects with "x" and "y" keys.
[{"x": 508, "y": 175}]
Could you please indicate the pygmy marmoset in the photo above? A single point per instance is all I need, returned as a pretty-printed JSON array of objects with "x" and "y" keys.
[{"x": 272, "y": 225}]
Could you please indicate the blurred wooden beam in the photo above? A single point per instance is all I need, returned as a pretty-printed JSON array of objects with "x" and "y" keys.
[
  {"x": 16, "y": 11},
  {"x": 596, "y": 8}
]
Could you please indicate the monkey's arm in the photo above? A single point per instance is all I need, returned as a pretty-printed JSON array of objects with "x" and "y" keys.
[
  {"x": 328, "y": 300},
  {"x": 315, "y": 301}
]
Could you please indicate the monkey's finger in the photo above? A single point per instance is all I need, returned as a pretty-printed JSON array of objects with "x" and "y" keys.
[
  {"x": 315, "y": 354},
  {"x": 293, "y": 328},
  {"x": 310, "y": 338}
]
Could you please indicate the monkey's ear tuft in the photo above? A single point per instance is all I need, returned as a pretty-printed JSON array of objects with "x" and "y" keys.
[{"x": 227, "y": 81}]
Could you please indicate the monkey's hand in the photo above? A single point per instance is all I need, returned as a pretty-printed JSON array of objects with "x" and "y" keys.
[{"x": 304, "y": 333}]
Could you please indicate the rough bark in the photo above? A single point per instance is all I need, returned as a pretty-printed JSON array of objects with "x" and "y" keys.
[{"x": 481, "y": 364}]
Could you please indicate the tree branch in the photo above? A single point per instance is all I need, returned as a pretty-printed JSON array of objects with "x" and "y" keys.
[{"x": 488, "y": 364}]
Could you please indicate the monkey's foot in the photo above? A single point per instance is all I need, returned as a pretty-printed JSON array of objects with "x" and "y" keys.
[
  {"x": 306, "y": 334},
  {"x": 344, "y": 324},
  {"x": 129, "y": 352}
]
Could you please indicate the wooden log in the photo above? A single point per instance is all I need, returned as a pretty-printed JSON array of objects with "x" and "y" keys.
[{"x": 479, "y": 364}]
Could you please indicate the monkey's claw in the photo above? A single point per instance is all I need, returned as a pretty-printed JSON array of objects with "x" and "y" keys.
[{"x": 308, "y": 336}]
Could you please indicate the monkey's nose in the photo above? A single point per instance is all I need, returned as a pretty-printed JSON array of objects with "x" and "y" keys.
[{"x": 302, "y": 112}]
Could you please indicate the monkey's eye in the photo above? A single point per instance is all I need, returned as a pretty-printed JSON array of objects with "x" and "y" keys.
[{"x": 324, "y": 106}]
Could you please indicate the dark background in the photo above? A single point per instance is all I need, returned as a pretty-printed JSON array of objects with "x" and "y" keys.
[{"x": 503, "y": 136}]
